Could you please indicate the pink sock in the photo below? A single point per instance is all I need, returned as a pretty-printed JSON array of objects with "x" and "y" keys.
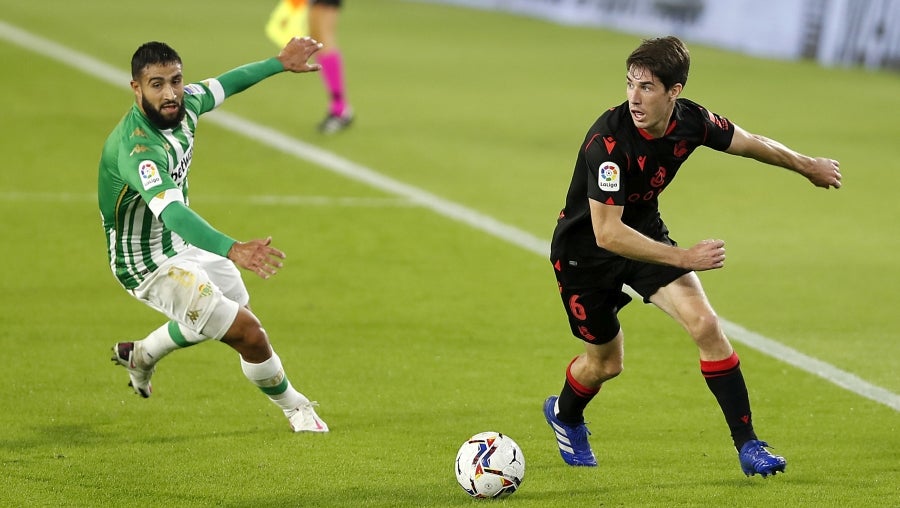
[{"x": 333, "y": 77}]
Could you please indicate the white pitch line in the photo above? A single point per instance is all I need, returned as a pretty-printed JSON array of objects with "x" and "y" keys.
[{"x": 453, "y": 211}]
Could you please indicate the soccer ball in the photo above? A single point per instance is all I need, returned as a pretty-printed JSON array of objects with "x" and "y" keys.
[{"x": 490, "y": 465}]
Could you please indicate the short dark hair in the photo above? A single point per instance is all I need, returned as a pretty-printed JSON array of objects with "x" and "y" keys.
[
  {"x": 152, "y": 53},
  {"x": 666, "y": 57}
]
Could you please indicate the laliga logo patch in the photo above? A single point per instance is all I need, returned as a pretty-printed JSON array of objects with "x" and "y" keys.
[
  {"x": 149, "y": 174},
  {"x": 194, "y": 89},
  {"x": 608, "y": 179}
]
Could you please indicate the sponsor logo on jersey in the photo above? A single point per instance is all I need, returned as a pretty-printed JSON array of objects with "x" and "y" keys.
[
  {"x": 608, "y": 179},
  {"x": 194, "y": 89},
  {"x": 138, "y": 133},
  {"x": 149, "y": 174},
  {"x": 681, "y": 149},
  {"x": 179, "y": 172}
]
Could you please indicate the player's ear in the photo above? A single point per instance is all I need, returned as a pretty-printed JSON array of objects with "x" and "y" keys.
[
  {"x": 136, "y": 88},
  {"x": 675, "y": 91}
]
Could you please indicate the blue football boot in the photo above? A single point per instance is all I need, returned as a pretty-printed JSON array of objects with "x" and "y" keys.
[
  {"x": 756, "y": 459},
  {"x": 572, "y": 440}
]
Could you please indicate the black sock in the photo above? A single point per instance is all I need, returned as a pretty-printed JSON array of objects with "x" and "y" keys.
[
  {"x": 573, "y": 398},
  {"x": 726, "y": 382}
]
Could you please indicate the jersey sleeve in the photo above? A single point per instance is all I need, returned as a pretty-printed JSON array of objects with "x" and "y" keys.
[
  {"x": 195, "y": 230},
  {"x": 606, "y": 164},
  {"x": 241, "y": 78},
  {"x": 719, "y": 130},
  {"x": 146, "y": 171},
  {"x": 203, "y": 97},
  {"x": 209, "y": 94}
]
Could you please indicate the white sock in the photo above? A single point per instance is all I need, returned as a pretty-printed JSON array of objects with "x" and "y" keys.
[
  {"x": 165, "y": 339},
  {"x": 269, "y": 377}
]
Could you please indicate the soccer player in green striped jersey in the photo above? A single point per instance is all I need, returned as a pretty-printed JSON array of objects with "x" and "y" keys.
[{"x": 166, "y": 255}]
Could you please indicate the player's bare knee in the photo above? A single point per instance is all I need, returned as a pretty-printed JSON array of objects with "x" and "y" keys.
[
  {"x": 247, "y": 333},
  {"x": 256, "y": 338},
  {"x": 606, "y": 369},
  {"x": 611, "y": 370},
  {"x": 704, "y": 326}
]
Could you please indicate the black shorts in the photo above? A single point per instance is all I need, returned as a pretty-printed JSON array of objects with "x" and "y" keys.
[
  {"x": 592, "y": 295},
  {"x": 336, "y": 3}
]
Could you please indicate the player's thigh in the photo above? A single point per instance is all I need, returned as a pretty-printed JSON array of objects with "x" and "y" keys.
[
  {"x": 182, "y": 290},
  {"x": 226, "y": 276},
  {"x": 647, "y": 278},
  {"x": 685, "y": 300}
]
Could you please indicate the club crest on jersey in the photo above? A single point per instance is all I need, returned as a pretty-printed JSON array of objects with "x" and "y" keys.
[
  {"x": 149, "y": 174},
  {"x": 608, "y": 178}
]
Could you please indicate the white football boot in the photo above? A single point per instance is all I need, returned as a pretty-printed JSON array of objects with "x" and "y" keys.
[
  {"x": 127, "y": 354},
  {"x": 303, "y": 418}
]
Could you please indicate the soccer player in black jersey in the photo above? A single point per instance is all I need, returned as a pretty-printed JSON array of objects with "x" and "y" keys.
[{"x": 610, "y": 233}]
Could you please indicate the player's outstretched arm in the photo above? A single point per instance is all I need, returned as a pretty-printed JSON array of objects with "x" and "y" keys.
[
  {"x": 258, "y": 256},
  {"x": 293, "y": 57},
  {"x": 820, "y": 171}
]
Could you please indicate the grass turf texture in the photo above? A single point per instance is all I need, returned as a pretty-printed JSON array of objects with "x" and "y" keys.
[{"x": 415, "y": 332}]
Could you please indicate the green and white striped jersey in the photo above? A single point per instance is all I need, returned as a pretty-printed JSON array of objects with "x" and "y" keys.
[{"x": 142, "y": 170}]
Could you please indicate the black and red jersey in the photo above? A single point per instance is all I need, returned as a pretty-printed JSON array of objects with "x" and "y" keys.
[{"x": 622, "y": 165}]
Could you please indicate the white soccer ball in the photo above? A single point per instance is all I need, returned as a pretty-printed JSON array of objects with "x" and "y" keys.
[{"x": 490, "y": 465}]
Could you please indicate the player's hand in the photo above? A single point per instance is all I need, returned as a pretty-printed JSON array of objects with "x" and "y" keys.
[
  {"x": 825, "y": 173},
  {"x": 296, "y": 54},
  {"x": 706, "y": 255},
  {"x": 258, "y": 256}
]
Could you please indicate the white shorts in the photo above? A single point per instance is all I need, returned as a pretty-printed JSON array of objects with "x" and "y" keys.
[{"x": 198, "y": 289}]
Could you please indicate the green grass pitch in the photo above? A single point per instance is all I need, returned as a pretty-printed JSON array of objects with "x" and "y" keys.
[{"x": 415, "y": 331}]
